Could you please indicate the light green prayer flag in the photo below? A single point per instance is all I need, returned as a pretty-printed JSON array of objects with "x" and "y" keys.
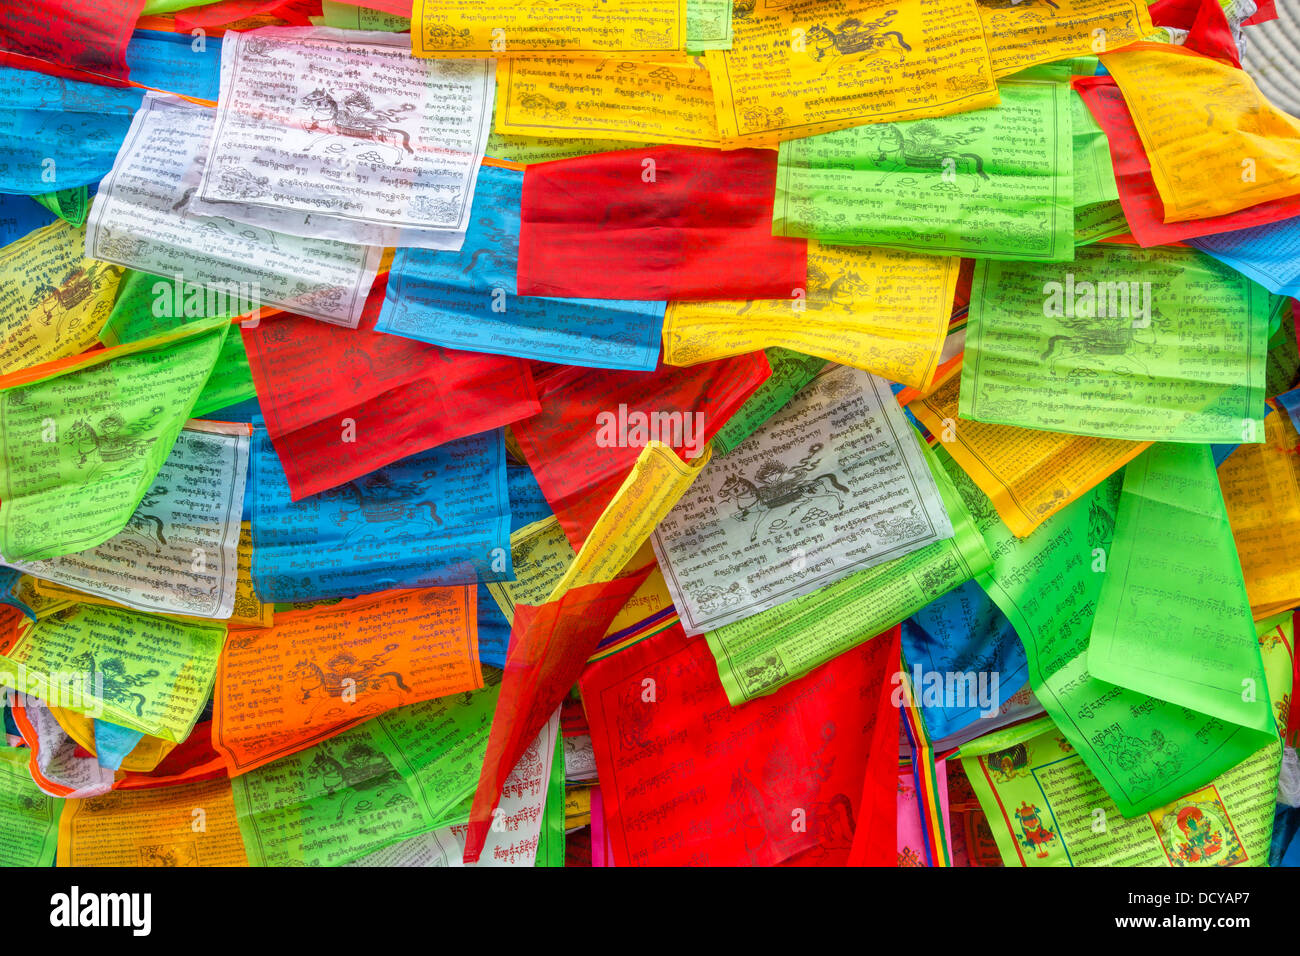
[
  {"x": 1094, "y": 174},
  {"x": 29, "y": 817},
  {"x": 708, "y": 25},
  {"x": 408, "y": 771},
  {"x": 142, "y": 671},
  {"x": 1144, "y": 749},
  {"x": 996, "y": 182},
  {"x": 153, "y": 8},
  {"x": 1098, "y": 221},
  {"x": 71, "y": 205},
  {"x": 141, "y": 296},
  {"x": 349, "y": 16},
  {"x": 79, "y": 448},
  {"x": 550, "y": 841},
  {"x": 1162, "y": 344},
  {"x": 791, "y": 371},
  {"x": 1173, "y": 619}
]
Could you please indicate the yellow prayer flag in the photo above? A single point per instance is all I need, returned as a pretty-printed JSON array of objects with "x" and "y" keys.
[
  {"x": 53, "y": 300},
  {"x": 631, "y": 29},
  {"x": 189, "y": 825},
  {"x": 811, "y": 66},
  {"x": 1215, "y": 143},
  {"x": 582, "y": 99},
  {"x": 1261, "y": 490},
  {"x": 882, "y": 310},
  {"x": 656, "y": 483},
  {"x": 1028, "y": 474},
  {"x": 1023, "y": 34},
  {"x": 540, "y": 554}
]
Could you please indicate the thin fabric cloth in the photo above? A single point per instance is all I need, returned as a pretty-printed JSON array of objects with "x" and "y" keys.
[
  {"x": 467, "y": 299},
  {"x": 672, "y": 222},
  {"x": 340, "y": 403},
  {"x": 677, "y": 432},
  {"x": 436, "y": 518}
]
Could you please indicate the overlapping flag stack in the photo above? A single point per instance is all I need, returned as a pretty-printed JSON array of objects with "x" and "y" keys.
[{"x": 672, "y": 432}]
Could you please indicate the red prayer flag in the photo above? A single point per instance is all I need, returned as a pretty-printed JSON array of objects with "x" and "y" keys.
[
  {"x": 340, "y": 403},
  {"x": 875, "y": 841},
  {"x": 1265, "y": 10},
  {"x": 549, "y": 646},
  {"x": 584, "y": 444},
  {"x": 667, "y": 222},
  {"x": 1143, "y": 209},
  {"x": 687, "y": 779},
  {"x": 1206, "y": 23},
  {"x": 230, "y": 13},
  {"x": 63, "y": 37}
]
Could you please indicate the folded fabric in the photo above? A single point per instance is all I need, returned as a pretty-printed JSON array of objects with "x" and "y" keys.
[
  {"x": 177, "y": 553},
  {"x": 527, "y": 505},
  {"x": 1138, "y": 195},
  {"x": 467, "y": 300},
  {"x": 1225, "y": 148},
  {"x": 340, "y": 403},
  {"x": 70, "y": 38},
  {"x": 593, "y": 424},
  {"x": 141, "y": 220},
  {"x": 671, "y": 222}
]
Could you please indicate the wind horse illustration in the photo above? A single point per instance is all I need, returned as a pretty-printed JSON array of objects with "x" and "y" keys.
[
  {"x": 854, "y": 40},
  {"x": 924, "y": 146},
  {"x": 112, "y": 438},
  {"x": 115, "y": 684},
  {"x": 781, "y": 486},
  {"x": 351, "y": 113},
  {"x": 345, "y": 672},
  {"x": 380, "y": 501}
]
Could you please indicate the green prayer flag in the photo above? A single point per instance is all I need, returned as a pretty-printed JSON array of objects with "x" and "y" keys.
[
  {"x": 79, "y": 448},
  {"x": 1163, "y": 344},
  {"x": 408, "y": 771},
  {"x": 791, "y": 371},
  {"x": 994, "y": 183},
  {"x": 71, "y": 205},
  {"x": 29, "y": 817},
  {"x": 1144, "y": 749},
  {"x": 142, "y": 296},
  {"x": 146, "y": 672}
]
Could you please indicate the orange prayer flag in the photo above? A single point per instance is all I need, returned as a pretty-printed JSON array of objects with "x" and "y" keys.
[{"x": 321, "y": 670}]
